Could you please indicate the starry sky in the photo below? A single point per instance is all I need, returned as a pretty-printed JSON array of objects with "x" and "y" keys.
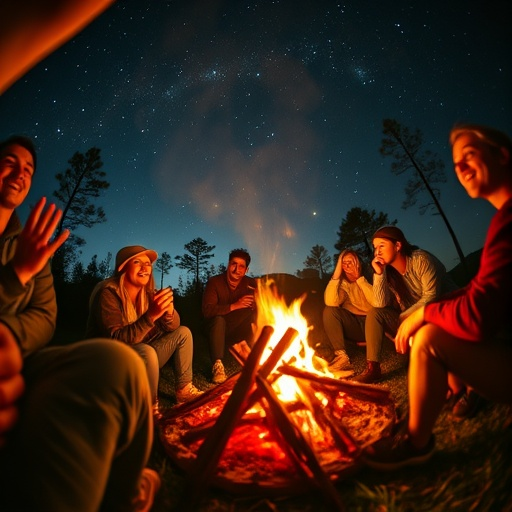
[{"x": 257, "y": 124}]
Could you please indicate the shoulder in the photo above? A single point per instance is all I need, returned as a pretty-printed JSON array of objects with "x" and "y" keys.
[{"x": 420, "y": 257}]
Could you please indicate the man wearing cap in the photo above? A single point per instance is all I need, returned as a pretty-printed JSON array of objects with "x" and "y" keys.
[
  {"x": 75, "y": 423},
  {"x": 405, "y": 274},
  {"x": 126, "y": 307}
]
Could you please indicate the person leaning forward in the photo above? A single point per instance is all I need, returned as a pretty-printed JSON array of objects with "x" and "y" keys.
[
  {"x": 229, "y": 309},
  {"x": 466, "y": 333}
]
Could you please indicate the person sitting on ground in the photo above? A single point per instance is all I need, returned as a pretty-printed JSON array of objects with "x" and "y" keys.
[
  {"x": 348, "y": 298},
  {"x": 229, "y": 309},
  {"x": 409, "y": 275},
  {"x": 126, "y": 307},
  {"x": 467, "y": 333},
  {"x": 75, "y": 424}
]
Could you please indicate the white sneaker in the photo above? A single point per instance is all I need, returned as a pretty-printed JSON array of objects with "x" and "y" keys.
[
  {"x": 187, "y": 393},
  {"x": 340, "y": 362},
  {"x": 218, "y": 372}
]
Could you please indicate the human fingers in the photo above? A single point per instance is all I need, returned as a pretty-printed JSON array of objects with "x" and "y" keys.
[
  {"x": 11, "y": 390},
  {"x": 48, "y": 222},
  {"x": 35, "y": 213},
  {"x": 55, "y": 245}
]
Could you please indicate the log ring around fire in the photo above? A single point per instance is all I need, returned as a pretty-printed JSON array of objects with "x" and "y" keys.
[{"x": 257, "y": 459}]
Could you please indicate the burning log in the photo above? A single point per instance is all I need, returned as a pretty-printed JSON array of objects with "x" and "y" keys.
[
  {"x": 324, "y": 419},
  {"x": 210, "y": 451},
  {"x": 355, "y": 389},
  {"x": 268, "y": 429},
  {"x": 295, "y": 440}
]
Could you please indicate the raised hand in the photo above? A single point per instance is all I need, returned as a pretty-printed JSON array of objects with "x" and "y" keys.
[
  {"x": 35, "y": 245},
  {"x": 11, "y": 381},
  {"x": 161, "y": 302}
]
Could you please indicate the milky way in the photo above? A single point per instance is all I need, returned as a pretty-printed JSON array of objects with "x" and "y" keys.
[{"x": 258, "y": 124}]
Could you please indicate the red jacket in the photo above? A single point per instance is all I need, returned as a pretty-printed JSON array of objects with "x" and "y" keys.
[{"x": 483, "y": 308}]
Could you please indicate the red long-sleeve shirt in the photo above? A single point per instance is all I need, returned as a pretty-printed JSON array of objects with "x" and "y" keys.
[{"x": 483, "y": 308}]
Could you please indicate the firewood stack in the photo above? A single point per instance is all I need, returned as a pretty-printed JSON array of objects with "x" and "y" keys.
[{"x": 253, "y": 385}]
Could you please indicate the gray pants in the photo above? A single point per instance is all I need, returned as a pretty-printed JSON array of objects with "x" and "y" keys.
[
  {"x": 84, "y": 433},
  {"x": 177, "y": 345},
  {"x": 340, "y": 324}
]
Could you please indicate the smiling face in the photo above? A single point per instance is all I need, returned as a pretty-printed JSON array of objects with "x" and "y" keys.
[
  {"x": 237, "y": 268},
  {"x": 16, "y": 171},
  {"x": 474, "y": 163},
  {"x": 138, "y": 271}
]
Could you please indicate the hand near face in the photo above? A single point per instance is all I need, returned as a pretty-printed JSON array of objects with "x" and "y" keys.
[
  {"x": 11, "y": 381},
  {"x": 35, "y": 246},
  {"x": 378, "y": 265},
  {"x": 162, "y": 302}
]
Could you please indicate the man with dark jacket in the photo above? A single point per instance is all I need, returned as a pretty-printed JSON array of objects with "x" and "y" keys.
[{"x": 229, "y": 309}]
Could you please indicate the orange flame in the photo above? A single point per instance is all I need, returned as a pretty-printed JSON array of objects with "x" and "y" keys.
[{"x": 275, "y": 312}]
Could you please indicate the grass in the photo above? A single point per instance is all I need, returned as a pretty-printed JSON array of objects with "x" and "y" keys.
[{"x": 471, "y": 469}]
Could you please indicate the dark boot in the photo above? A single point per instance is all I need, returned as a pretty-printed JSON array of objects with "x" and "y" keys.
[{"x": 371, "y": 374}]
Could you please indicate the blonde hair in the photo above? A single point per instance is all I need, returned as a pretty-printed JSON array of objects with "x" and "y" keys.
[{"x": 493, "y": 138}]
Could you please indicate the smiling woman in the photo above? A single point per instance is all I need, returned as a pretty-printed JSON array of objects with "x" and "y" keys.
[{"x": 126, "y": 307}]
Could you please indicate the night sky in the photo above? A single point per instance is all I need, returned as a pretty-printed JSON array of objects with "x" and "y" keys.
[{"x": 258, "y": 124}]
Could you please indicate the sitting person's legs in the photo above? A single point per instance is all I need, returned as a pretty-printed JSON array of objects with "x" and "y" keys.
[
  {"x": 150, "y": 358},
  {"x": 85, "y": 430},
  {"x": 378, "y": 322},
  {"x": 485, "y": 366}
]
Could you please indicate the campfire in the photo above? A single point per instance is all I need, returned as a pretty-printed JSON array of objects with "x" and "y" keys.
[{"x": 282, "y": 425}]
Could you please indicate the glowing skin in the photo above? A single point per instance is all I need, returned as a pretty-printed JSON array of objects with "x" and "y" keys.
[{"x": 16, "y": 171}]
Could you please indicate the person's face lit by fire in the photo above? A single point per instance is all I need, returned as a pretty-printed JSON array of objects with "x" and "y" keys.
[
  {"x": 474, "y": 161},
  {"x": 138, "y": 271},
  {"x": 351, "y": 267},
  {"x": 385, "y": 250},
  {"x": 16, "y": 170},
  {"x": 237, "y": 268}
]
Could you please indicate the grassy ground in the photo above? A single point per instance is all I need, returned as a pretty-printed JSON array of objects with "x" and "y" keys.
[{"x": 470, "y": 471}]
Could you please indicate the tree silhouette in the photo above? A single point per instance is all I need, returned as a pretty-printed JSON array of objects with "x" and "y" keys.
[
  {"x": 406, "y": 148},
  {"x": 196, "y": 261},
  {"x": 357, "y": 228},
  {"x": 79, "y": 186},
  {"x": 319, "y": 259},
  {"x": 163, "y": 265}
]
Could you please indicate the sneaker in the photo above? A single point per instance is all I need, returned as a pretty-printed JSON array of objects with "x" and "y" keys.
[
  {"x": 397, "y": 452},
  {"x": 187, "y": 393},
  {"x": 218, "y": 373},
  {"x": 340, "y": 362},
  {"x": 149, "y": 484},
  {"x": 467, "y": 405}
]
